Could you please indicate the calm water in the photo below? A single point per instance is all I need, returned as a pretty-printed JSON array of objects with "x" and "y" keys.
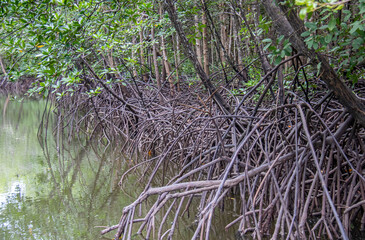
[{"x": 64, "y": 194}]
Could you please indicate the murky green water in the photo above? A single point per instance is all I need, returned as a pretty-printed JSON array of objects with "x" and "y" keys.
[
  {"x": 64, "y": 196},
  {"x": 67, "y": 193}
]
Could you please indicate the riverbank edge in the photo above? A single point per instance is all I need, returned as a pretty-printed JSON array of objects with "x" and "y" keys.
[{"x": 19, "y": 87}]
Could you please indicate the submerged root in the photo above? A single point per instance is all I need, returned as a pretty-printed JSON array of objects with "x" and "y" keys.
[{"x": 296, "y": 168}]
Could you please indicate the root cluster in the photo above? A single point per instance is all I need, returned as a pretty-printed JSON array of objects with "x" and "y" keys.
[{"x": 296, "y": 167}]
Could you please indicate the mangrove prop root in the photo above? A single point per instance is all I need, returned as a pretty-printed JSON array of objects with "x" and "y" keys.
[{"x": 295, "y": 168}]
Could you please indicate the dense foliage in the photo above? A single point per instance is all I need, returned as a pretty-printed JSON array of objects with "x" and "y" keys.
[{"x": 50, "y": 39}]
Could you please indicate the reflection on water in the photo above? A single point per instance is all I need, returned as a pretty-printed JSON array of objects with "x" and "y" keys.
[
  {"x": 15, "y": 193},
  {"x": 64, "y": 192},
  {"x": 12, "y": 197},
  {"x": 64, "y": 196}
]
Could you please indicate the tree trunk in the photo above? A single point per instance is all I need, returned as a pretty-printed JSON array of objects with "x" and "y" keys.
[
  {"x": 197, "y": 40},
  {"x": 176, "y": 43},
  {"x": 165, "y": 60},
  {"x": 110, "y": 58},
  {"x": 221, "y": 44},
  {"x": 205, "y": 43},
  {"x": 239, "y": 54},
  {"x": 222, "y": 18},
  {"x": 188, "y": 50},
  {"x": 291, "y": 27},
  {"x": 141, "y": 53},
  {"x": 135, "y": 74},
  {"x": 230, "y": 39},
  {"x": 2, "y": 66},
  {"x": 155, "y": 63}
]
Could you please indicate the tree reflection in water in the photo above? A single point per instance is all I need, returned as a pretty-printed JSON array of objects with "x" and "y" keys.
[
  {"x": 68, "y": 187},
  {"x": 71, "y": 183}
]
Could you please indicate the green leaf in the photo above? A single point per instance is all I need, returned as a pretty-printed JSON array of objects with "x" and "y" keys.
[
  {"x": 300, "y": 2},
  {"x": 332, "y": 23},
  {"x": 280, "y": 38},
  {"x": 339, "y": 7},
  {"x": 362, "y": 8},
  {"x": 282, "y": 54},
  {"x": 305, "y": 34},
  {"x": 287, "y": 47},
  {"x": 267, "y": 45},
  {"x": 311, "y": 25},
  {"x": 303, "y": 13},
  {"x": 357, "y": 43},
  {"x": 356, "y": 25},
  {"x": 315, "y": 45},
  {"x": 347, "y": 16},
  {"x": 328, "y": 38},
  {"x": 323, "y": 27},
  {"x": 318, "y": 68},
  {"x": 277, "y": 60}
]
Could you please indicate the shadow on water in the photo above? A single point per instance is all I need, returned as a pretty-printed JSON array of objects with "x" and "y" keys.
[{"x": 69, "y": 190}]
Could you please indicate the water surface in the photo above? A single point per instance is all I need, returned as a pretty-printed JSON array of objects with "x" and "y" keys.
[
  {"x": 67, "y": 189},
  {"x": 50, "y": 194}
]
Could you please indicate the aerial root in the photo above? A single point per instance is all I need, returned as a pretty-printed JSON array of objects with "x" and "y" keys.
[{"x": 294, "y": 169}]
